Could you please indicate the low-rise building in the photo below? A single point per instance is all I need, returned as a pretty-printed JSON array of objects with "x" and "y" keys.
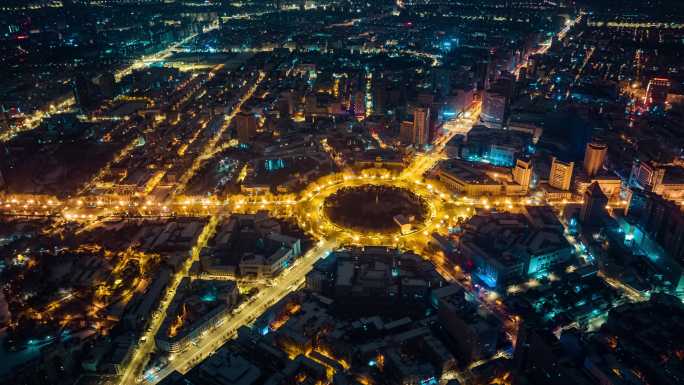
[
  {"x": 199, "y": 306},
  {"x": 249, "y": 246},
  {"x": 502, "y": 249}
]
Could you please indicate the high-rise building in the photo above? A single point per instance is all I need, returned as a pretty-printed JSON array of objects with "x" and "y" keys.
[
  {"x": 594, "y": 156},
  {"x": 638, "y": 199},
  {"x": 246, "y": 126},
  {"x": 594, "y": 205},
  {"x": 560, "y": 175},
  {"x": 340, "y": 87},
  {"x": 656, "y": 92},
  {"x": 522, "y": 173},
  {"x": 359, "y": 104},
  {"x": 436, "y": 121},
  {"x": 493, "y": 109},
  {"x": 421, "y": 126},
  {"x": 647, "y": 175},
  {"x": 406, "y": 131},
  {"x": 663, "y": 220}
]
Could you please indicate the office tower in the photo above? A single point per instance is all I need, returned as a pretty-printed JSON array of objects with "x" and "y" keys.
[
  {"x": 421, "y": 126},
  {"x": 246, "y": 126},
  {"x": 594, "y": 156},
  {"x": 594, "y": 205},
  {"x": 340, "y": 87},
  {"x": 647, "y": 175},
  {"x": 379, "y": 97},
  {"x": 638, "y": 200},
  {"x": 522, "y": 173},
  {"x": 560, "y": 174},
  {"x": 435, "y": 121},
  {"x": 663, "y": 220},
  {"x": 656, "y": 92},
  {"x": 493, "y": 109},
  {"x": 359, "y": 104},
  {"x": 406, "y": 131}
]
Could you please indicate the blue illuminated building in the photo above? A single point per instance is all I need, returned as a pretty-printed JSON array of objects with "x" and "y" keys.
[
  {"x": 447, "y": 114},
  {"x": 505, "y": 249},
  {"x": 209, "y": 295},
  {"x": 496, "y": 147},
  {"x": 487, "y": 275},
  {"x": 501, "y": 156},
  {"x": 274, "y": 164}
]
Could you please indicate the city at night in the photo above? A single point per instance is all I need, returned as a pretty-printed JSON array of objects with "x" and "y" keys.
[{"x": 341, "y": 192}]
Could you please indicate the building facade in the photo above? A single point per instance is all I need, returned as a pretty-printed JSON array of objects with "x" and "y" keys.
[
  {"x": 421, "y": 126},
  {"x": 594, "y": 156},
  {"x": 560, "y": 174}
]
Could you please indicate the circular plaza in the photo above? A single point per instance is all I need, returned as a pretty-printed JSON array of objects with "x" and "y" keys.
[
  {"x": 368, "y": 209},
  {"x": 375, "y": 208}
]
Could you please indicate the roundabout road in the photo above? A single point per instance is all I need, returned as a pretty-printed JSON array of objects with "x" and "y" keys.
[{"x": 442, "y": 211}]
